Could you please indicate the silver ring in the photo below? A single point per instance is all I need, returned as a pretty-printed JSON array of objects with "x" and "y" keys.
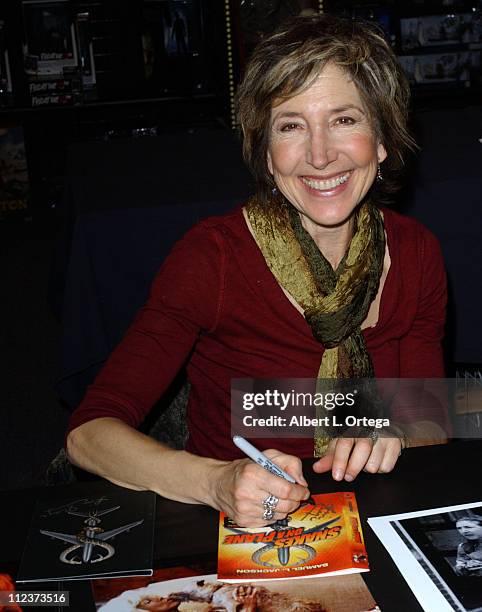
[
  {"x": 268, "y": 513},
  {"x": 269, "y": 505},
  {"x": 271, "y": 501}
]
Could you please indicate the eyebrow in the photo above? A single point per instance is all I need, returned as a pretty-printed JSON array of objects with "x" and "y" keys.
[
  {"x": 341, "y": 109},
  {"x": 338, "y": 109}
]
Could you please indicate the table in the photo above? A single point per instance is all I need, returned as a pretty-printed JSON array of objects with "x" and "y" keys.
[{"x": 426, "y": 477}]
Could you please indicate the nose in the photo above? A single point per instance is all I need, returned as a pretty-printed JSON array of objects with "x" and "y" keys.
[{"x": 320, "y": 149}]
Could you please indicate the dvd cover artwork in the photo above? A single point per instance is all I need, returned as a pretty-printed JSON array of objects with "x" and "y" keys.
[
  {"x": 50, "y": 43},
  {"x": 54, "y": 100},
  {"x": 99, "y": 530},
  {"x": 441, "y": 67},
  {"x": 322, "y": 537},
  {"x": 14, "y": 180},
  {"x": 438, "y": 31},
  {"x": 48, "y": 29}
]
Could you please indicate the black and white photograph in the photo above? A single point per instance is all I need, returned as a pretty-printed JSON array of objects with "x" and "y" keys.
[{"x": 441, "y": 552}]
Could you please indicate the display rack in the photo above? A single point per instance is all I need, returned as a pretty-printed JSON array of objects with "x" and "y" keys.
[
  {"x": 77, "y": 69},
  {"x": 95, "y": 69},
  {"x": 438, "y": 42}
]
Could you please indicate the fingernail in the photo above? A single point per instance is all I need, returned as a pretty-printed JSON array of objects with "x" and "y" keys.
[
  {"x": 348, "y": 477},
  {"x": 338, "y": 474}
]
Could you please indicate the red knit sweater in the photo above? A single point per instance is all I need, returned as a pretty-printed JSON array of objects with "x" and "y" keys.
[{"x": 215, "y": 305}]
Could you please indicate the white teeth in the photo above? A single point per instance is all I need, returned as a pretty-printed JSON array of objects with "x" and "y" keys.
[{"x": 328, "y": 184}]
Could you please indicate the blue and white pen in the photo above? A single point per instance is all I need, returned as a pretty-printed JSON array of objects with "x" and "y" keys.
[{"x": 253, "y": 453}]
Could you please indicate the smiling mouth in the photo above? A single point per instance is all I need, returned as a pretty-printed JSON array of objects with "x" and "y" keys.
[{"x": 323, "y": 185}]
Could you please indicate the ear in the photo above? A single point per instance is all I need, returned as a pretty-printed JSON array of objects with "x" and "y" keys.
[
  {"x": 269, "y": 161},
  {"x": 381, "y": 153}
]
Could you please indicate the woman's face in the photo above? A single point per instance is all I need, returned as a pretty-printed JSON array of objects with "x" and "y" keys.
[
  {"x": 322, "y": 153},
  {"x": 469, "y": 529}
]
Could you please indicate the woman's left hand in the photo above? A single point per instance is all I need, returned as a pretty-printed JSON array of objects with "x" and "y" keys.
[{"x": 346, "y": 457}]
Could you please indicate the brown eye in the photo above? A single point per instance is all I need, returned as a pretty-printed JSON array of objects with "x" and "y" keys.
[
  {"x": 288, "y": 127},
  {"x": 345, "y": 120}
]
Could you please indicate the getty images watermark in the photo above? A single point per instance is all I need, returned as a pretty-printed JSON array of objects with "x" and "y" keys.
[
  {"x": 303, "y": 404},
  {"x": 295, "y": 407}
]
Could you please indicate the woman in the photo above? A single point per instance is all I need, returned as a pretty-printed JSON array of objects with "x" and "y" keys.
[
  {"x": 309, "y": 278},
  {"x": 469, "y": 553}
]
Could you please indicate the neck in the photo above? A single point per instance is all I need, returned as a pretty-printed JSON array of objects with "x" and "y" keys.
[{"x": 332, "y": 241}]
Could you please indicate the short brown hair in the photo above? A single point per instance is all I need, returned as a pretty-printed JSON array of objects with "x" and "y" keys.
[{"x": 288, "y": 62}]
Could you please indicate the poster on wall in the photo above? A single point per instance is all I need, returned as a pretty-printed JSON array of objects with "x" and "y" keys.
[
  {"x": 14, "y": 183},
  {"x": 177, "y": 39},
  {"x": 172, "y": 43}
]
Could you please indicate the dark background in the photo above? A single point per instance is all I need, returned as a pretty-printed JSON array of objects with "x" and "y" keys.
[{"x": 187, "y": 95}]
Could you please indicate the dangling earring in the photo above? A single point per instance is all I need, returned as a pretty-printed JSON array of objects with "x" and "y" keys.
[
  {"x": 379, "y": 173},
  {"x": 274, "y": 191}
]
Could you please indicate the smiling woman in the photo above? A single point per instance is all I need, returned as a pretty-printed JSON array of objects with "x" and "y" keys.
[
  {"x": 305, "y": 281},
  {"x": 323, "y": 154}
]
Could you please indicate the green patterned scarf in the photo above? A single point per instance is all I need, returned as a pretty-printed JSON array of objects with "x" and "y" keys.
[{"x": 335, "y": 302}]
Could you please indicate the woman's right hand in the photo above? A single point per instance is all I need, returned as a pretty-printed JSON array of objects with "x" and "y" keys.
[{"x": 241, "y": 486}]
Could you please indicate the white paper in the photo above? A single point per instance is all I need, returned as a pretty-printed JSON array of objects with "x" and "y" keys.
[{"x": 433, "y": 592}]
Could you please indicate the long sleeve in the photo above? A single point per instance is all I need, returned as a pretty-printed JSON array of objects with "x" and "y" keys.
[
  {"x": 420, "y": 353},
  {"x": 216, "y": 307},
  {"x": 183, "y": 304},
  {"x": 421, "y": 348}
]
